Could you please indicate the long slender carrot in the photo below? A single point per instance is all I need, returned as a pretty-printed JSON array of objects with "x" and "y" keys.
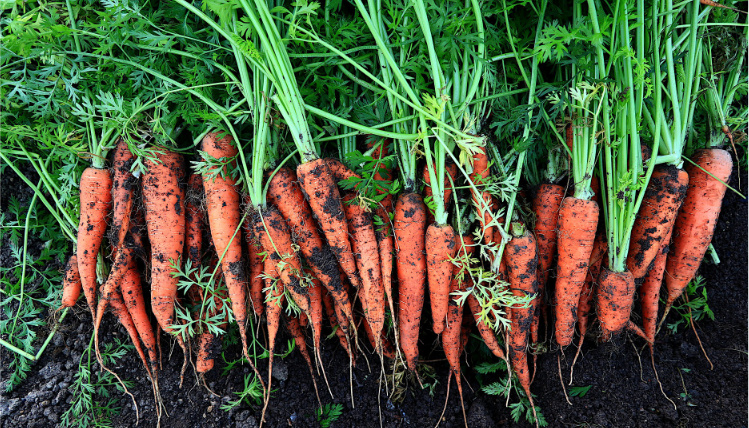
[
  {"x": 120, "y": 311},
  {"x": 696, "y": 222},
  {"x": 578, "y": 220},
  {"x": 123, "y": 193},
  {"x": 224, "y": 217},
  {"x": 316, "y": 180},
  {"x": 132, "y": 294},
  {"x": 273, "y": 234},
  {"x": 164, "y": 199},
  {"x": 285, "y": 194},
  {"x": 364, "y": 245},
  {"x": 409, "y": 229},
  {"x": 333, "y": 319},
  {"x": 487, "y": 333},
  {"x": 521, "y": 255},
  {"x": 315, "y": 312},
  {"x": 650, "y": 291},
  {"x": 440, "y": 249},
  {"x": 663, "y": 197},
  {"x": 255, "y": 251},
  {"x": 194, "y": 216},
  {"x": 96, "y": 201},
  {"x": 71, "y": 283},
  {"x": 298, "y": 334},
  {"x": 274, "y": 298}
]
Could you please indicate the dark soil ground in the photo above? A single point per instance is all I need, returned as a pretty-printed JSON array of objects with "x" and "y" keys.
[{"x": 623, "y": 391}]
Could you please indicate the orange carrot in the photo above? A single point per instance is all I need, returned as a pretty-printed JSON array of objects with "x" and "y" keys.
[
  {"x": 616, "y": 291},
  {"x": 194, "y": 216},
  {"x": 96, "y": 201},
  {"x": 578, "y": 220},
  {"x": 274, "y": 298},
  {"x": 364, "y": 245},
  {"x": 123, "y": 192},
  {"x": 409, "y": 228},
  {"x": 487, "y": 333},
  {"x": 71, "y": 283},
  {"x": 165, "y": 219},
  {"x": 315, "y": 311},
  {"x": 333, "y": 319},
  {"x": 209, "y": 345},
  {"x": 256, "y": 269},
  {"x": 650, "y": 291},
  {"x": 132, "y": 293},
  {"x": 388, "y": 350},
  {"x": 521, "y": 255},
  {"x": 120, "y": 311},
  {"x": 285, "y": 194},
  {"x": 316, "y": 180},
  {"x": 440, "y": 249},
  {"x": 696, "y": 222},
  {"x": 298, "y": 334},
  {"x": 663, "y": 198},
  {"x": 224, "y": 216},
  {"x": 483, "y": 203}
]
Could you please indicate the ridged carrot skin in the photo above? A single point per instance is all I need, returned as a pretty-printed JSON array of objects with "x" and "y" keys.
[
  {"x": 616, "y": 292},
  {"x": 164, "y": 199},
  {"x": 696, "y": 221},
  {"x": 364, "y": 245},
  {"x": 521, "y": 255},
  {"x": 284, "y": 192},
  {"x": 440, "y": 249},
  {"x": 96, "y": 202},
  {"x": 578, "y": 221},
  {"x": 316, "y": 180},
  {"x": 409, "y": 228},
  {"x": 71, "y": 283},
  {"x": 663, "y": 198}
]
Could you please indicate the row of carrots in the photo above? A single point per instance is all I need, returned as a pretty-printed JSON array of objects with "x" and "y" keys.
[{"x": 674, "y": 228}]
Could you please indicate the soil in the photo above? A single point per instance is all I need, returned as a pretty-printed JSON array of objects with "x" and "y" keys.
[{"x": 623, "y": 390}]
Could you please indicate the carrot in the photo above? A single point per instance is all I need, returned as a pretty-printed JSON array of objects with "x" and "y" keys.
[
  {"x": 209, "y": 345},
  {"x": 696, "y": 221},
  {"x": 577, "y": 223},
  {"x": 315, "y": 312},
  {"x": 164, "y": 199},
  {"x": 451, "y": 171},
  {"x": 316, "y": 180},
  {"x": 616, "y": 291},
  {"x": 194, "y": 217},
  {"x": 409, "y": 228},
  {"x": 256, "y": 269},
  {"x": 96, "y": 201},
  {"x": 132, "y": 293},
  {"x": 71, "y": 283},
  {"x": 487, "y": 333},
  {"x": 521, "y": 255},
  {"x": 120, "y": 311},
  {"x": 440, "y": 249},
  {"x": 483, "y": 204},
  {"x": 285, "y": 194},
  {"x": 364, "y": 245},
  {"x": 123, "y": 192},
  {"x": 274, "y": 298},
  {"x": 718, "y": 5},
  {"x": 224, "y": 216},
  {"x": 333, "y": 319},
  {"x": 650, "y": 291},
  {"x": 663, "y": 198},
  {"x": 388, "y": 350},
  {"x": 273, "y": 234}
]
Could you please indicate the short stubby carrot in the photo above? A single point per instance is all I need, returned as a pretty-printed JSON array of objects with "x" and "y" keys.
[
  {"x": 364, "y": 245},
  {"x": 164, "y": 200},
  {"x": 71, "y": 283},
  {"x": 578, "y": 221},
  {"x": 696, "y": 221},
  {"x": 284, "y": 192},
  {"x": 96, "y": 202},
  {"x": 663, "y": 198},
  {"x": 615, "y": 296},
  {"x": 224, "y": 217},
  {"x": 123, "y": 193},
  {"x": 316, "y": 180},
  {"x": 440, "y": 249},
  {"x": 409, "y": 228}
]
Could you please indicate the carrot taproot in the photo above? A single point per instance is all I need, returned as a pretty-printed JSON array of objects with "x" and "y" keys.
[
  {"x": 120, "y": 311},
  {"x": 132, "y": 294},
  {"x": 298, "y": 334},
  {"x": 333, "y": 320},
  {"x": 274, "y": 300},
  {"x": 315, "y": 313},
  {"x": 194, "y": 216},
  {"x": 440, "y": 250},
  {"x": 224, "y": 217},
  {"x": 662, "y": 200},
  {"x": 366, "y": 252},
  {"x": 163, "y": 197},
  {"x": 577, "y": 224},
  {"x": 650, "y": 291},
  {"x": 317, "y": 183},
  {"x": 96, "y": 202},
  {"x": 521, "y": 255},
  {"x": 71, "y": 283},
  {"x": 483, "y": 200},
  {"x": 284, "y": 192},
  {"x": 486, "y": 332},
  {"x": 123, "y": 193},
  {"x": 695, "y": 224},
  {"x": 409, "y": 228},
  {"x": 256, "y": 270},
  {"x": 381, "y": 342},
  {"x": 272, "y": 232}
]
